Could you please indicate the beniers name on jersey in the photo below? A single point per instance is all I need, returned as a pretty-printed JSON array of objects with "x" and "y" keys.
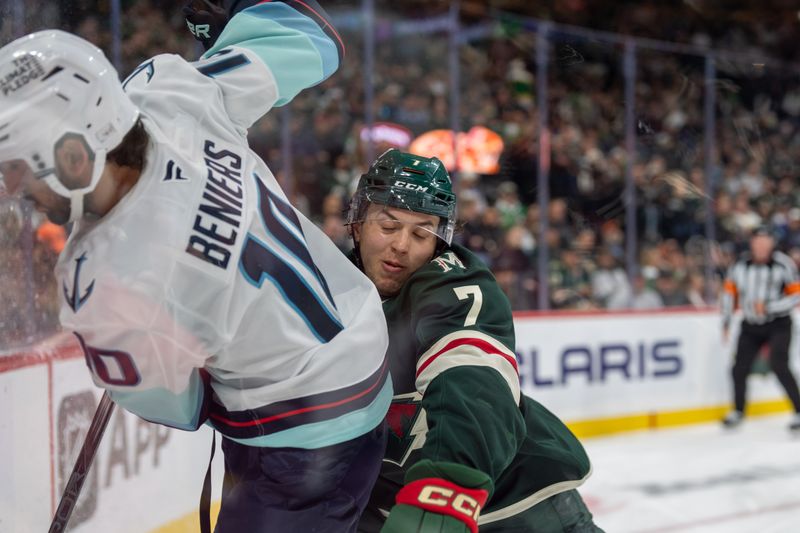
[{"x": 222, "y": 200}]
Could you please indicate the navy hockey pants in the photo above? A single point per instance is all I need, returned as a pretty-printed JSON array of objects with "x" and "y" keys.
[{"x": 292, "y": 490}]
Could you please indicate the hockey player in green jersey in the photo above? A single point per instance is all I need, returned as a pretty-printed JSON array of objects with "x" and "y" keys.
[{"x": 466, "y": 449}]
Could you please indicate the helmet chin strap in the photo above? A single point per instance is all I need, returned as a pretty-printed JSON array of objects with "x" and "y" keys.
[
  {"x": 77, "y": 197},
  {"x": 75, "y": 206}
]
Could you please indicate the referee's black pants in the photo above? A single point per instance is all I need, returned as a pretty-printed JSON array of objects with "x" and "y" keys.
[{"x": 778, "y": 333}]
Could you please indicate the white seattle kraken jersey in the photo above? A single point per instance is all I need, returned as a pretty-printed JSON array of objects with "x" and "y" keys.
[{"x": 205, "y": 265}]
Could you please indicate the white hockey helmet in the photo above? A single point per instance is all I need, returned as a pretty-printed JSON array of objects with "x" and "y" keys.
[{"x": 56, "y": 89}]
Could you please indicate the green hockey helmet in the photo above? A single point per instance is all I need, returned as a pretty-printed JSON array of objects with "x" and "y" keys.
[{"x": 407, "y": 181}]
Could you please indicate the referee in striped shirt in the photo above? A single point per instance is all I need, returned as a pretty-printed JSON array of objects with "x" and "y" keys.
[{"x": 766, "y": 286}]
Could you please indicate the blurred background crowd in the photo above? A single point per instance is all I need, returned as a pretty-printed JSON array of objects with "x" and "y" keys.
[{"x": 754, "y": 177}]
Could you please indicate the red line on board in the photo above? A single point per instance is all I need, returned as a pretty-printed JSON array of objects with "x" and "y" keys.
[
  {"x": 52, "y": 438},
  {"x": 592, "y": 313},
  {"x": 9, "y": 363}
]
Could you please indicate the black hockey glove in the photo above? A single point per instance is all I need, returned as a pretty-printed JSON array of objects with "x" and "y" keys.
[{"x": 206, "y": 20}]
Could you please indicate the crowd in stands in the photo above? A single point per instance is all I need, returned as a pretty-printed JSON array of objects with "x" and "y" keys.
[
  {"x": 755, "y": 161},
  {"x": 28, "y": 256}
]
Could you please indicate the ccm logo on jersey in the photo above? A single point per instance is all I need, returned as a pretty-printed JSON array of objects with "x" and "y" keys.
[
  {"x": 443, "y": 497},
  {"x": 410, "y": 186}
]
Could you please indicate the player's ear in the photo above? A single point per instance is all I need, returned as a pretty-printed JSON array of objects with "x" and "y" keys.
[{"x": 355, "y": 231}]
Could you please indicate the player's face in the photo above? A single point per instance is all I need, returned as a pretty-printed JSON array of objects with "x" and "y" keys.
[
  {"x": 19, "y": 180},
  {"x": 394, "y": 243}
]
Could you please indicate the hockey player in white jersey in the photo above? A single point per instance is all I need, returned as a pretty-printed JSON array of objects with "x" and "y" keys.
[{"x": 198, "y": 293}]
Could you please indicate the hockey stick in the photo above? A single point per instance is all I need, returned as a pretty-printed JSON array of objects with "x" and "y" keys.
[{"x": 82, "y": 464}]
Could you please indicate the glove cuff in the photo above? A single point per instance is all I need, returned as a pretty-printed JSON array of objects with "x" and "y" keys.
[
  {"x": 461, "y": 475},
  {"x": 443, "y": 497}
]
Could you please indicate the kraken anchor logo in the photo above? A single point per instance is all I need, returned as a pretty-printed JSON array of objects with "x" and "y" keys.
[{"x": 76, "y": 300}]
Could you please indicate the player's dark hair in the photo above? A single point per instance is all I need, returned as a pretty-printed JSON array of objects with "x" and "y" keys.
[{"x": 132, "y": 151}]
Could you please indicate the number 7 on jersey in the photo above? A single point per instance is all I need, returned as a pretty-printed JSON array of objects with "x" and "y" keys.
[{"x": 465, "y": 292}]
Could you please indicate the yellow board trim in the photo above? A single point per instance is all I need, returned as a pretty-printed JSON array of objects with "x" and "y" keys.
[
  {"x": 189, "y": 523},
  {"x": 643, "y": 421},
  {"x": 583, "y": 429}
]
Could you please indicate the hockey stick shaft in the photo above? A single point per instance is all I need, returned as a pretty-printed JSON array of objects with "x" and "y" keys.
[{"x": 82, "y": 464}]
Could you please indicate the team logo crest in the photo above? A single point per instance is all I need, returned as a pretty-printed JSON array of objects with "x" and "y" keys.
[
  {"x": 448, "y": 260},
  {"x": 148, "y": 68},
  {"x": 76, "y": 300},
  {"x": 408, "y": 427},
  {"x": 401, "y": 417}
]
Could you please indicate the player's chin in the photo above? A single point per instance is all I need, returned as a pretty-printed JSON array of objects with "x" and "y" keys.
[{"x": 387, "y": 288}]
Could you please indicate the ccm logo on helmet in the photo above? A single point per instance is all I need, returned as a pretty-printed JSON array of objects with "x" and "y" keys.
[
  {"x": 443, "y": 497},
  {"x": 410, "y": 186}
]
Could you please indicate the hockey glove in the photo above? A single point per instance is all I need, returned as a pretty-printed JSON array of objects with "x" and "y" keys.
[
  {"x": 206, "y": 20},
  {"x": 429, "y": 503}
]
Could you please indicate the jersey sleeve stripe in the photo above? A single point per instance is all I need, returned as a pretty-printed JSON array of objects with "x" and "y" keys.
[
  {"x": 300, "y": 411},
  {"x": 224, "y": 65},
  {"x": 478, "y": 343},
  {"x": 472, "y": 348},
  {"x": 495, "y": 346},
  {"x": 468, "y": 355}
]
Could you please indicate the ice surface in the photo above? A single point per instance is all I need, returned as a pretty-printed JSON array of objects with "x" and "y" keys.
[{"x": 697, "y": 479}]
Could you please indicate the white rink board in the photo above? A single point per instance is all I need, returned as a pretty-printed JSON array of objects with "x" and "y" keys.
[
  {"x": 143, "y": 477},
  {"x": 602, "y": 365}
]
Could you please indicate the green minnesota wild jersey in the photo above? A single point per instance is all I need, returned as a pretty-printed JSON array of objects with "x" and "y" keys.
[{"x": 457, "y": 394}]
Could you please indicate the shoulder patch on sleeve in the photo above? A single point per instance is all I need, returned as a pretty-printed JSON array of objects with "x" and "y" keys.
[{"x": 448, "y": 261}]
